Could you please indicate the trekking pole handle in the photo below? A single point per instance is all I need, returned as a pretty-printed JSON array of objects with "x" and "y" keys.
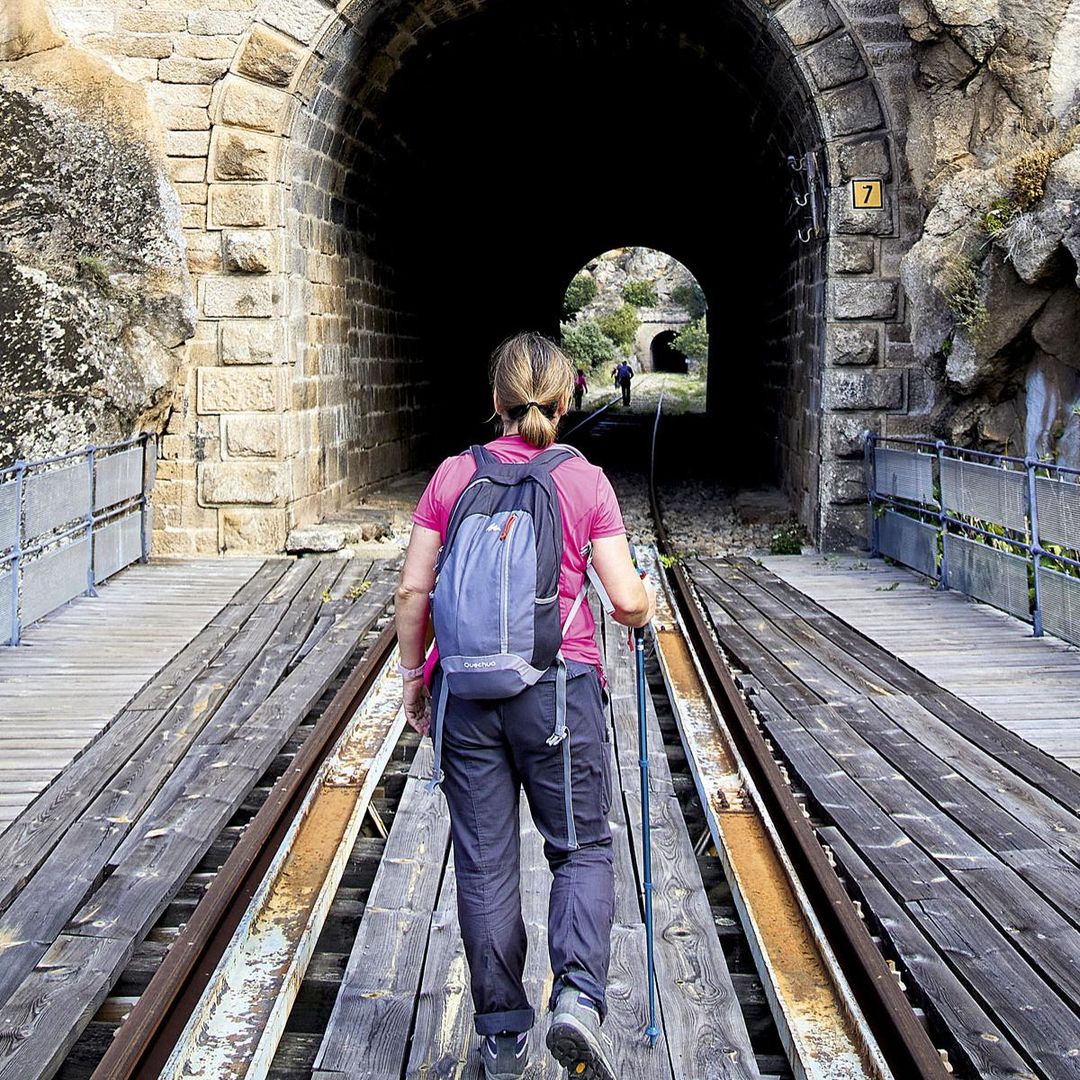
[{"x": 639, "y": 631}]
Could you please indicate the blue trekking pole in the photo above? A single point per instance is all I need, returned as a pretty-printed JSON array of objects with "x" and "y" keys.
[
  {"x": 646, "y": 847},
  {"x": 652, "y": 1031}
]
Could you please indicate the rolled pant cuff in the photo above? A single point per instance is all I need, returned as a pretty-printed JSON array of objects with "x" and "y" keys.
[{"x": 514, "y": 1021}]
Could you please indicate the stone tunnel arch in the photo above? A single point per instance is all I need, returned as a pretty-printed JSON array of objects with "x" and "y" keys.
[
  {"x": 338, "y": 333},
  {"x": 664, "y": 355}
]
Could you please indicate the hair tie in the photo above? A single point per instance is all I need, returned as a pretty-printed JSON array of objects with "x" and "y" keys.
[{"x": 518, "y": 411}]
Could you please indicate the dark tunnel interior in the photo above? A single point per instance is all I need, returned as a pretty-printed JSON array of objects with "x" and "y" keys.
[
  {"x": 665, "y": 357},
  {"x": 517, "y": 141}
]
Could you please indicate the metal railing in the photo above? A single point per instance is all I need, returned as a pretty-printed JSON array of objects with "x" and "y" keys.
[
  {"x": 1005, "y": 530},
  {"x": 69, "y": 522}
]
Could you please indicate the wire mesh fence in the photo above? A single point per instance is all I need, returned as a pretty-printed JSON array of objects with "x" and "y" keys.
[
  {"x": 67, "y": 524},
  {"x": 1003, "y": 529}
]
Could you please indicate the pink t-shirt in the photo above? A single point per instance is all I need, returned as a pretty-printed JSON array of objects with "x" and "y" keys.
[{"x": 589, "y": 508}]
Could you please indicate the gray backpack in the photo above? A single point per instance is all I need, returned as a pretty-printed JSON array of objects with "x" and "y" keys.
[{"x": 495, "y": 605}]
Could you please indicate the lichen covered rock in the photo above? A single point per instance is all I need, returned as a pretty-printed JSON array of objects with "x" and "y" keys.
[
  {"x": 992, "y": 285},
  {"x": 94, "y": 293}
]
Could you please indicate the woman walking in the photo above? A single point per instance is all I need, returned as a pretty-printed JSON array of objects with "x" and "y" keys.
[
  {"x": 581, "y": 387},
  {"x": 547, "y": 735}
]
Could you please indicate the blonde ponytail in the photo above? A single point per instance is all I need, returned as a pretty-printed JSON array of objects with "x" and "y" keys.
[{"x": 533, "y": 380}]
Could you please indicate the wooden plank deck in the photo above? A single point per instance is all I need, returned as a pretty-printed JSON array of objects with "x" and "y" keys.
[
  {"x": 989, "y": 659},
  {"x": 146, "y": 801},
  {"x": 404, "y": 1008},
  {"x": 962, "y": 840},
  {"x": 78, "y": 667}
]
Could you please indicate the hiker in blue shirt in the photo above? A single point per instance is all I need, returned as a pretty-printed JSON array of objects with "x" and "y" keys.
[{"x": 623, "y": 374}]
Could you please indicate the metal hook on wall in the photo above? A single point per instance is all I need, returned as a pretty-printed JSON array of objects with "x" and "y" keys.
[{"x": 811, "y": 196}]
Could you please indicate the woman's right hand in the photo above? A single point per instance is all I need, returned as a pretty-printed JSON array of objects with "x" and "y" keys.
[
  {"x": 417, "y": 705},
  {"x": 650, "y": 591},
  {"x": 634, "y": 597}
]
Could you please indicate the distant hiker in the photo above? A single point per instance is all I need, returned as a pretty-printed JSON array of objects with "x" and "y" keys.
[
  {"x": 580, "y": 387},
  {"x": 506, "y": 538},
  {"x": 623, "y": 374}
]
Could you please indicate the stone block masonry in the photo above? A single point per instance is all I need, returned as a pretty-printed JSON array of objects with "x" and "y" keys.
[
  {"x": 240, "y": 389},
  {"x": 241, "y": 483},
  {"x": 253, "y": 436},
  {"x": 303, "y": 383}
]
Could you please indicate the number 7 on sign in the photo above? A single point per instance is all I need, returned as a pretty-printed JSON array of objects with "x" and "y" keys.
[{"x": 867, "y": 194}]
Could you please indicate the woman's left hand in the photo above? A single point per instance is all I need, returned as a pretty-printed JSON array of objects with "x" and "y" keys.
[{"x": 417, "y": 705}]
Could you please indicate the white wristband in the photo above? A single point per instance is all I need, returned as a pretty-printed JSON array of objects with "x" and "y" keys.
[{"x": 410, "y": 672}]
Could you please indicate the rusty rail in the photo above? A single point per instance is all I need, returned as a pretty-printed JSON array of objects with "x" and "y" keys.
[
  {"x": 901, "y": 1039},
  {"x": 144, "y": 1041},
  {"x": 594, "y": 415}
]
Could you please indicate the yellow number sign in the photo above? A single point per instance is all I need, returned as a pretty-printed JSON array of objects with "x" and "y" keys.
[{"x": 867, "y": 194}]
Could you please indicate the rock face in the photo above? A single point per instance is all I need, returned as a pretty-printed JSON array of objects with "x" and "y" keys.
[
  {"x": 992, "y": 285},
  {"x": 94, "y": 293},
  {"x": 615, "y": 269}
]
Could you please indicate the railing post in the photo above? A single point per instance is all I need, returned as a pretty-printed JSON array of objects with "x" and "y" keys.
[
  {"x": 16, "y": 555},
  {"x": 869, "y": 445},
  {"x": 943, "y": 525},
  {"x": 144, "y": 501},
  {"x": 1030, "y": 464},
  {"x": 90, "y": 590}
]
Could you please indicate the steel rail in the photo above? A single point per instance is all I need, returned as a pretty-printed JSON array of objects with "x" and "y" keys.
[
  {"x": 901, "y": 1038},
  {"x": 144, "y": 1041},
  {"x": 591, "y": 417}
]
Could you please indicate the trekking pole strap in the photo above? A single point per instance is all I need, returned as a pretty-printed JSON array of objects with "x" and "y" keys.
[{"x": 437, "y": 734}]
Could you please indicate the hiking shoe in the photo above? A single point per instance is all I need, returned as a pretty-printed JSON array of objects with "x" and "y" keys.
[
  {"x": 504, "y": 1056},
  {"x": 574, "y": 1037}
]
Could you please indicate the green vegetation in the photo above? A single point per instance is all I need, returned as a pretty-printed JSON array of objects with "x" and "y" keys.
[
  {"x": 691, "y": 297},
  {"x": 581, "y": 291},
  {"x": 693, "y": 340},
  {"x": 787, "y": 540},
  {"x": 682, "y": 393},
  {"x": 586, "y": 344},
  {"x": 962, "y": 294},
  {"x": 91, "y": 268},
  {"x": 1031, "y": 169},
  {"x": 999, "y": 217},
  {"x": 640, "y": 293},
  {"x": 620, "y": 326}
]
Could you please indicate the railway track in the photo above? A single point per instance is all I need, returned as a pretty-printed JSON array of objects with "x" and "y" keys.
[
  {"x": 156, "y": 991},
  {"x": 816, "y": 996}
]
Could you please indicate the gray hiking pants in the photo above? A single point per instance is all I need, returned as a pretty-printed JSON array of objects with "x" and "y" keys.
[{"x": 491, "y": 750}]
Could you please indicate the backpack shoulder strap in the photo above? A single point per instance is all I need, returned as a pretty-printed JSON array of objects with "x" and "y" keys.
[
  {"x": 553, "y": 456},
  {"x": 483, "y": 456}
]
